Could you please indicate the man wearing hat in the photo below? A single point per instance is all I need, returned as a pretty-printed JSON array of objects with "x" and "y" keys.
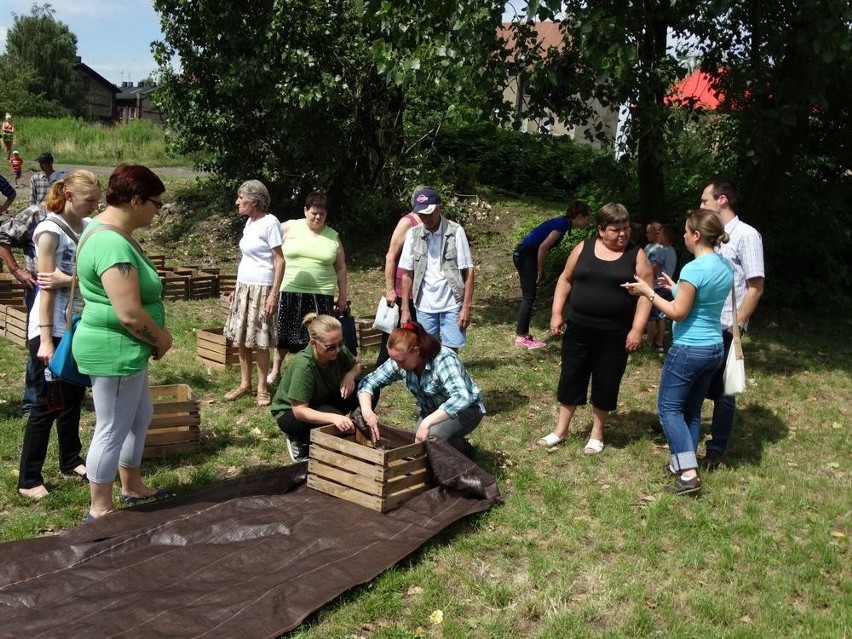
[
  {"x": 437, "y": 272},
  {"x": 40, "y": 182}
]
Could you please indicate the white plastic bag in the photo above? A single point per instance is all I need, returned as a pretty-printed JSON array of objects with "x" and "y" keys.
[
  {"x": 734, "y": 375},
  {"x": 387, "y": 317}
]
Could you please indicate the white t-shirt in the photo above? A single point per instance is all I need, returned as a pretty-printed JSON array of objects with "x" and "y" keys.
[
  {"x": 435, "y": 294},
  {"x": 258, "y": 240},
  {"x": 65, "y": 255}
]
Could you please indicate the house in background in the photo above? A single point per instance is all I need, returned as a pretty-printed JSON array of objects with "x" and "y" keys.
[
  {"x": 98, "y": 92},
  {"x": 135, "y": 103},
  {"x": 517, "y": 92}
]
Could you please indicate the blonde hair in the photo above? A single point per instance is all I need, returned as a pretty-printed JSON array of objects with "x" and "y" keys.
[
  {"x": 77, "y": 181},
  {"x": 320, "y": 324}
]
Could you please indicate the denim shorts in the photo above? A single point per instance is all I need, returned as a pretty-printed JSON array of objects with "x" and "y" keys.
[{"x": 443, "y": 326}]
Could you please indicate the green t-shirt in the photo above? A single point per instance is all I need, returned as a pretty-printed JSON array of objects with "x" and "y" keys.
[
  {"x": 306, "y": 381},
  {"x": 102, "y": 346}
]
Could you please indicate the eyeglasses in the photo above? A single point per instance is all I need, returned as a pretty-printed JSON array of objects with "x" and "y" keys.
[
  {"x": 330, "y": 348},
  {"x": 157, "y": 203}
]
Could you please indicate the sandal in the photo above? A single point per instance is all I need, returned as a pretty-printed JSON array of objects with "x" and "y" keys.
[
  {"x": 238, "y": 392},
  {"x": 593, "y": 446},
  {"x": 263, "y": 398},
  {"x": 550, "y": 440}
]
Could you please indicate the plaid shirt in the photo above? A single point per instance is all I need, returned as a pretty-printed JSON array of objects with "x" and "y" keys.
[
  {"x": 18, "y": 233},
  {"x": 39, "y": 186},
  {"x": 444, "y": 384}
]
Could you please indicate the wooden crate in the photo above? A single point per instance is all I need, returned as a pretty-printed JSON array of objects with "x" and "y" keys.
[
  {"x": 15, "y": 324},
  {"x": 158, "y": 260},
  {"x": 11, "y": 290},
  {"x": 175, "y": 287},
  {"x": 368, "y": 337},
  {"x": 227, "y": 283},
  {"x": 214, "y": 350},
  {"x": 378, "y": 479},
  {"x": 225, "y": 304},
  {"x": 175, "y": 425}
]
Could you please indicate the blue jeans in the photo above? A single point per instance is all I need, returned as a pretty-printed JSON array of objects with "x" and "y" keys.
[
  {"x": 444, "y": 327},
  {"x": 686, "y": 377}
]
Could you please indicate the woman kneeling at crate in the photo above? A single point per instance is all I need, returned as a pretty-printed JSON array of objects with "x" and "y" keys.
[
  {"x": 318, "y": 387},
  {"x": 450, "y": 404}
]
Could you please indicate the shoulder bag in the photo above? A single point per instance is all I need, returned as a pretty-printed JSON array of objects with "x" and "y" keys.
[{"x": 734, "y": 374}]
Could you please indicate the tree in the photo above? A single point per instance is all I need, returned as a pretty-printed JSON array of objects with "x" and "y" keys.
[
  {"x": 317, "y": 93},
  {"x": 48, "y": 47}
]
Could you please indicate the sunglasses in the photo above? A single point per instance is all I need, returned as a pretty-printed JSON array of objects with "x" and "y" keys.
[
  {"x": 330, "y": 348},
  {"x": 157, "y": 203}
]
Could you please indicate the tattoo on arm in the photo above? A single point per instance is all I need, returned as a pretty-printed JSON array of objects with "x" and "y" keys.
[
  {"x": 146, "y": 335},
  {"x": 125, "y": 268}
]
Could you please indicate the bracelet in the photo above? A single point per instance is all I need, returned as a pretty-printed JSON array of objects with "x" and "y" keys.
[
  {"x": 45, "y": 325},
  {"x": 651, "y": 297}
]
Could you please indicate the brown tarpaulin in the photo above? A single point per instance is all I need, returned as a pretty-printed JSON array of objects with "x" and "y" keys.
[{"x": 250, "y": 557}]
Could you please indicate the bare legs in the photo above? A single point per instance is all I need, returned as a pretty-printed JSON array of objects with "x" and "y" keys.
[
  {"x": 131, "y": 484},
  {"x": 563, "y": 422},
  {"x": 277, "y": 359}
]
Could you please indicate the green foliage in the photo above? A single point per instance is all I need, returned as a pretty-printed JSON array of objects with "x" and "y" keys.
[
  {"x": 551, "y": 167},
  {"x": 20, "y": 91},
  {"x": 345, "y": 103},
  {"x": 48, "y": 49}
]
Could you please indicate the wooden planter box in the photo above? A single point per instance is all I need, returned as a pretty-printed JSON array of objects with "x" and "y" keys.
[
  {"x": 227, "y": 283},
  {"x": 348, "y": 468},
  {"x": 175, "y": 425},
  {"x": 175, "y": 287},
  {"x": 368, "y": 337},
  {"x": 158, "y": 260},
  {"x": 11, "y": 290},
  {"x": 15, "y": 324},
  {"x": 214, "y": 350}
]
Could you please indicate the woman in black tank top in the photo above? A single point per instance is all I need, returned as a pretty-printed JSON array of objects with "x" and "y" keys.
[{"x": 604, "y": 323}]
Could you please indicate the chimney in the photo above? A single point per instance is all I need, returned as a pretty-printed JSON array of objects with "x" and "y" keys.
[
  {"x": 78, "y": 59},
  {"x": 141, "y": 83}
]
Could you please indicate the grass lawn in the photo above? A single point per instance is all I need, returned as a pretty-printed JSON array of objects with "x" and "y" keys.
[{"x": 578, "y": 546}]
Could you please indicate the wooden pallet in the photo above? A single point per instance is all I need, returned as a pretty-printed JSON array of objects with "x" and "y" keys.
[
  {"x": 348, "y": 468},
  {"x": 175, "y": 287},
  {"x": 175, "y": 425},
  {"x": 11, "y": 290}
]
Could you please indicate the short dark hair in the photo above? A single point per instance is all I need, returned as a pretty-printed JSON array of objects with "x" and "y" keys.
[
  {"x": 577, "y": 208},
  {"x": 316, "y": 199},
  {"x": 612, "y": 213},
  {"x": 723, "y": 185},
  {"x": 130, "y": 180}
]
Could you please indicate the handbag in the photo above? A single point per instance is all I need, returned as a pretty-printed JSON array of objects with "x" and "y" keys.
[
  {"x": 387, "y": 317},
  {"x": 733, "y": 377}
]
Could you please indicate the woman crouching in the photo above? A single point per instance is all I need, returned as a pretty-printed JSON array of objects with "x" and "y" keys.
[
  {"x": 318, "y": 387},
  {"x": 450, "y": 404}
]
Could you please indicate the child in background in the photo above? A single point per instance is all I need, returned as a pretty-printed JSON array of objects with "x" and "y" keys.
[
  {"x": 17, "y": 163},
  {"x": 664, "y": 260}
]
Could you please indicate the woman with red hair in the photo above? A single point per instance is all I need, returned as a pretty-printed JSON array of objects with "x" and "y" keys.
[{"x": 449, "y": 402}]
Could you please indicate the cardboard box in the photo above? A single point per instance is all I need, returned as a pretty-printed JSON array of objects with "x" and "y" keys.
[
  {"x": 175, "y": 425},
  {"x": 380, "y": 479}
]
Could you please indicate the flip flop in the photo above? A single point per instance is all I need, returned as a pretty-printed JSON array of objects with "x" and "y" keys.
[
  {"x": 162, "y": 493},
  {"x": 593, "y": 445},
  {"x": 263, "y": 398},
  {"x": 550, "y": 440}
]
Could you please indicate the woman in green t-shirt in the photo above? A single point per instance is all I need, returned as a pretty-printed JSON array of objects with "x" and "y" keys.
[
  {"x": 122, "y": 327},
  {"x": 318, "y": 387}
]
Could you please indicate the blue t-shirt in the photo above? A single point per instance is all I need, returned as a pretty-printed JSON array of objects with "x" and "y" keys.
[
  {"x": 534, "y": 238},
  {"x": 712, "y": 276},
  {"x": 666, "y": 257}
]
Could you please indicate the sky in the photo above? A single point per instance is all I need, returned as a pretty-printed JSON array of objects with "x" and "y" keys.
[{"x": 114, "y": 36}]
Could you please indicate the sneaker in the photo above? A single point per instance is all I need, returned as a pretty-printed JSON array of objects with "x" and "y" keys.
[
  {"x": 683, "y": 486},
  {"x": 712, "y": 460},
  {"x": 528, "y": 342},
  {"x": 298, "y": 450}
]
